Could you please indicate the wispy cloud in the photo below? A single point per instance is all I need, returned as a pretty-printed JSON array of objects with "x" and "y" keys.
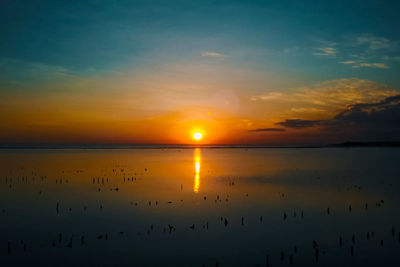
[
  {"x": 360, "y": 51},
  {"x": 326, "y": 51},
  {"x": 327, "y": 97},
  {"x": 323, "y": 42},
  {"x": 391, "y": 58},
  {"x": 267, "y": 96},
  {"x": 307, "y": 110},
  {"x": 213, "y": 55},
  {"x": 372, "y": 42},
  {"x": 372, "y": 65},
  {"x": 290, "y": 50},
  {"x": 268, "y": 130},
  {"x": 360, "y": 64},
  {"x": 371, "y": 48}
]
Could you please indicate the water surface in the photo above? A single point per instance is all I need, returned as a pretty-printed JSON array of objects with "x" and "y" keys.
[{"x": 195, "y": 207}]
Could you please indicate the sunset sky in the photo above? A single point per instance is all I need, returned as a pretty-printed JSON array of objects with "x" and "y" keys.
[{"x": 239, "y": 72}]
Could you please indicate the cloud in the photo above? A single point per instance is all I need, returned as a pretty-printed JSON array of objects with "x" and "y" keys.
[
  {"x": 307, "y": 110},
  {"x": 359, "y": 64},
  {"x": 299, "y": 123},
  {"x": 290, "y": 50},
  {"x": 372, "y": 42},
  {"x": 323, "y": 42},
  {"x": 360, "y": 51},
  {"x": 348, "y": 62},
  {"x": 328, "y": 96},
  {"x": 391, "y": 58},
  {"x": 373, "y": 65},
  {"x": 326, "y": 51},
  {"x": 213, "y": 55},
  {"x": 268, "y": 130},
  {"x": 363, "y": 121},
  {"x": 267, "y": 96},
  {"x": 387, "y": 105},
  {"x": 20, "y": 73}
]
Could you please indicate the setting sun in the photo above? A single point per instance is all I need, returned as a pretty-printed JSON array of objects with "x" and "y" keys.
[{"x": 197, "y": 136}]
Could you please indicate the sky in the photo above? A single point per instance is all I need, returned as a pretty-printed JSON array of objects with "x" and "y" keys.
[{"x": 239, "y": 72}]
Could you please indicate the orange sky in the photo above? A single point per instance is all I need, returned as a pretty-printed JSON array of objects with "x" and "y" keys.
[{"x": 168, "y": 106}]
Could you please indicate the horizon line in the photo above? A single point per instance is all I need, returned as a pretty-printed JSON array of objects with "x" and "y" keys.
[{"x": 190, "y": 146}]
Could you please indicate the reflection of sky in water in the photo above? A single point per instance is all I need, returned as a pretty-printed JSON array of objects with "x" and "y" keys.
[{"x": 141, "y": 192}]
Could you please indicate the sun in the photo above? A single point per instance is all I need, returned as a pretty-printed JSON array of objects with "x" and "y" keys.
[{"x": 197, "y": 136}]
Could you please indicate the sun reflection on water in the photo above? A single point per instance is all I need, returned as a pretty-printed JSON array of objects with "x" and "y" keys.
[{"x": 197, "y": 160}]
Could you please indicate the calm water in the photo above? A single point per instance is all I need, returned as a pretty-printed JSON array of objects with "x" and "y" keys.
[{"x": 194, "y": 207}]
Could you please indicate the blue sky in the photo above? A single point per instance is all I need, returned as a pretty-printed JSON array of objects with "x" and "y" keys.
[{"x": 283, "y": 36}]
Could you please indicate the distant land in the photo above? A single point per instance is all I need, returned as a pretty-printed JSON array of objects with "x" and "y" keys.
[
  {"x": 189, "y": 146},
  {"x": 366, "y": 144}
]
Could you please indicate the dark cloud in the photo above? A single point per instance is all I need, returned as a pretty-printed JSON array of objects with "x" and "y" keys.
[
  {"x": 298, "y": 123},
  {"x": 384, "y": 113},
  {"x": 365, "y": 121},
  {"x": 268, "y": 130}
]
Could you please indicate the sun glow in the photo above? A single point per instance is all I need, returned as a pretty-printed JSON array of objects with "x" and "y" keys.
[{"x": 197, "y": 136}]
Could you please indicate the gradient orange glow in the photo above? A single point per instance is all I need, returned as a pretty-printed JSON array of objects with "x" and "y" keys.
[{"x": 172, "y": 115}]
